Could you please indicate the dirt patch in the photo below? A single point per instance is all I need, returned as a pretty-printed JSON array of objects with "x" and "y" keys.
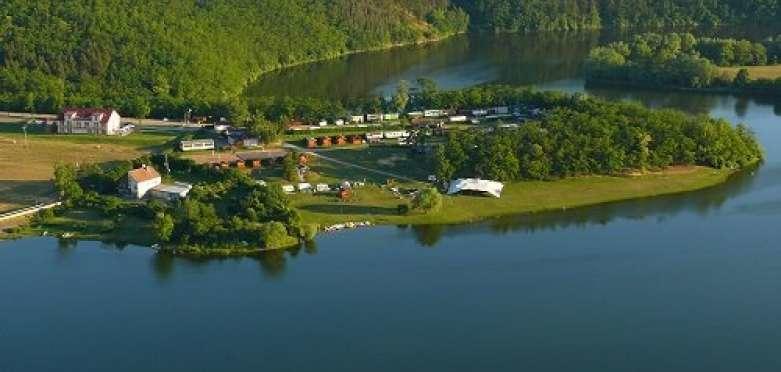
[{"x": 392, "y": 160}]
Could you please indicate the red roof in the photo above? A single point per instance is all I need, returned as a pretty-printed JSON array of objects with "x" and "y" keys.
[
  {"x": 143, "y": 174},
  {"x": 86, "y": 113}
]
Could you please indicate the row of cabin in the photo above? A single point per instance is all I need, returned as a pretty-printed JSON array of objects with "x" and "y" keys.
[
  {"x": 376, "y": 137},
  {"x": 367, "y": 118},
  {"x": 240, "y": 164},
  {"x": 328, "y": 141}
]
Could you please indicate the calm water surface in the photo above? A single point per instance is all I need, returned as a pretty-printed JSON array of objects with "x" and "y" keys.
[{"x": 682, "y": 283}]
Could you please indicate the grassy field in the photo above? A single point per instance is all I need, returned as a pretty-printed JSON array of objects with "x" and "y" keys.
[
  {"x": 380, "y": 206},
  {"x": 393, "y": 159},
  {"x": 26, "y": 166},
  {"x": 755, "y": 72}
]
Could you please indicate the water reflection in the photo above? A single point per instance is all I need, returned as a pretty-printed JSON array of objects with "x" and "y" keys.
[
  {"x": 457, "y": 62},
  {"x": 695, "y": 103},
  {"x": 702, "y": 203}
]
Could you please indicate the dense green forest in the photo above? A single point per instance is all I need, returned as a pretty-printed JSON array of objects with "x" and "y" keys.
[
  {"x": 681, "y": 60},
  {"x": 580, "y": 136},
  {"x": 532, "y": 15},
  {"x": 161, "y": 57}
]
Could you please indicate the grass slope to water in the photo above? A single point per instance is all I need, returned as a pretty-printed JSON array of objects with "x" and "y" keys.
[
  {"x": 755, "y": 72},
  {"x": 380, "y": 207}
]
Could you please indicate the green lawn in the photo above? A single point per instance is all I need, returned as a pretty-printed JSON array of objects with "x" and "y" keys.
[
  {"x": 389, "y": 158},
  {"x": 380, "y": 206},
  {"x": 92, "y": 225},
  {"x": 140, "y": 140}
]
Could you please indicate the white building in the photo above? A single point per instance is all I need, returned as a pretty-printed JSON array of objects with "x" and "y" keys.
[
  {"x": 391, "y": 116},
  {"x": 197, "y": 145},
  {"x": 434, "y": 113},
  {"x": 173, "y": 192},
  {"x": 374, "y": 137},
  {"x": 458, "y": 119},
  {"x": 356, "y": 119},
  {"x": 89, "y": 121},
  {"x": 141, "y": 180},
  {"x": 476, "y": 185},
  {"x": 393, "y": 134},
  {"x": 373, "y": 117},
  {"x": 501, "y": 110}
]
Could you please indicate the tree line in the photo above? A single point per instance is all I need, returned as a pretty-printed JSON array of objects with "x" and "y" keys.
[
  {"x": 681, "y": 60},
  {"x": 584, "y": 136},
  {"x": 562, "y": 15}
]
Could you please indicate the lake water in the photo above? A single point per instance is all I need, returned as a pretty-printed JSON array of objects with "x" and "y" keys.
[{"x": 681, "y": 283}]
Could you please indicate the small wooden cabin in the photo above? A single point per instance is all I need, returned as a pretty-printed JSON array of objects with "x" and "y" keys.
[{"x": 356, "y": 140}]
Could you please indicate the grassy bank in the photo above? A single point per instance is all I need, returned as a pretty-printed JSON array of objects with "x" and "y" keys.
[
  {"x": 380, "y": 206},
  {"x": 754, "y": 72}
]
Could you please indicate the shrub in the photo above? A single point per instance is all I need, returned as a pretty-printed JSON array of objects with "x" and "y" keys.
[
  {"x": 428, "y": 200},
  {"x": 273, "y": 234}
]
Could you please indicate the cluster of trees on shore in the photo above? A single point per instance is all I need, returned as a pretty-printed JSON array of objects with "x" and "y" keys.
[
  {"x": 582, "y": 136},
  {"x": 161, "y": 58},
  {"x": 559, "y": 15},
  {"x": 681, "y": 60},
  {"x": 226, "y": 210}
]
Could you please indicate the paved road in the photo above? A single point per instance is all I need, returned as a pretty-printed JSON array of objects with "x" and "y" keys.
[
  {"x": 348, "y": 164},
  {"x": 27, "y": 211}
]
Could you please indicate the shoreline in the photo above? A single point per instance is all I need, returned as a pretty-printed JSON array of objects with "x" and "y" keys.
[
  {"x": 597, "y": 83},
  {"x": 527, "y": 193},
  {"x": 596, "y": 190}
]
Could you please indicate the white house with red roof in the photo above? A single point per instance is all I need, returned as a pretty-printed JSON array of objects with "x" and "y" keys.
[
  {"x": 141, "y": 180},
  {"x": 89, "y": 121}
]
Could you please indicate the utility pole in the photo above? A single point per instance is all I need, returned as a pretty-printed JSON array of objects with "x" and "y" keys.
[
  {"x": 24, "y": 129},
  {"x": 187, "y": 116}
]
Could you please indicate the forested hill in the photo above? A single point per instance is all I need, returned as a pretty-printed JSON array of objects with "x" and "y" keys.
[
  {"x": 162, "y": 56},
  {"x": 533, "y": 15}
]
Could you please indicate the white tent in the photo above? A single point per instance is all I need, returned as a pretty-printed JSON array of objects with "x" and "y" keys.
[{"x": 492, "y": 188}]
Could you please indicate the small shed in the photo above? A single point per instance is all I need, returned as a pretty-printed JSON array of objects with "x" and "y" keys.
[
  {"x": 321, "y": 187},
  {"x": 340, "y": 140},
  {"x": 311, "y": 143},
  {"x": 303, "y": 159},
  {"x": 304, "y": 187},
  {"x": 356, "y": 140},
  {"x": 325, "y": 141},
  {"x": 288, "y": 189}
]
